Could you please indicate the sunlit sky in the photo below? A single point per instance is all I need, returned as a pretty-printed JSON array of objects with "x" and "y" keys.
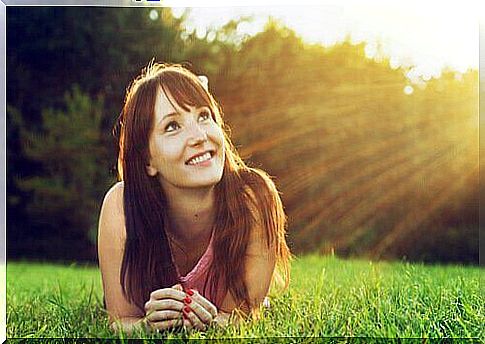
[{"x": 426, "y": 34}]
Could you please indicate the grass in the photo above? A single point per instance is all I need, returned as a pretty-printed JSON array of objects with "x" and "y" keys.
[{"x": 328, "y": 297}]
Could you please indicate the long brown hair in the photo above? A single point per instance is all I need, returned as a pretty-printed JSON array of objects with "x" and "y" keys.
[{"x": 147, "y": 261}]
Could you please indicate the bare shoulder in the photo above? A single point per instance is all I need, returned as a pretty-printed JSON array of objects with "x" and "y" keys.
[
  {"x": 258, "y": 181},
  {"x": 111, "y": 244},
  {"x": 257, "y": 209},
  {"x": 111, "y": 220},
  {"x": 253, "y": 204},
  {"x": 115, "y": 194},
  {"x": 261, "y": 192},
  {"x": 266, "y": 209}
]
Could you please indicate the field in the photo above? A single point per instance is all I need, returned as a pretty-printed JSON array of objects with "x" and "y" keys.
[{"x": 328, "y": 297}]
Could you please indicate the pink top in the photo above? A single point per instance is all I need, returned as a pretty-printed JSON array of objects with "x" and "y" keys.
[{"x": 196, "y": 278}]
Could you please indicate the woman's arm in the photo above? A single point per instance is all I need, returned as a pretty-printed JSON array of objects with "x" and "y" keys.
[
  {"x": 111, "y": 240},
  {"x": 260, "y": 264},
  {"x": 123, "y": 315}
]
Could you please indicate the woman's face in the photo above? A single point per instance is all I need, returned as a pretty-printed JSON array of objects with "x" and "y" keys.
[{"x": 186, "y": 147}]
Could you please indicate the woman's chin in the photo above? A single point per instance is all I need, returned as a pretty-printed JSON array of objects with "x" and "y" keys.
[
  {"x": 204, "y": 177},
  {"x": 205, "y": 183},
  {"x": 201, "y": 180}
]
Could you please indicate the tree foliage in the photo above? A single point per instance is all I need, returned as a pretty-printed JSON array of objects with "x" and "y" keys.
[
  {"x": 364, "y": 166},
  {"x": 64, "y": 192},
  {"x": 50, "y": 49}
]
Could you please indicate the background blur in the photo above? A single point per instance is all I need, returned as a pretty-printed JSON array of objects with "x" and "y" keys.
[{"x": 376, "y": 156}]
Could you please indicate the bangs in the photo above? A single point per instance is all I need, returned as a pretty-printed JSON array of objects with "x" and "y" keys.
[{"x": 186, "y": 90}]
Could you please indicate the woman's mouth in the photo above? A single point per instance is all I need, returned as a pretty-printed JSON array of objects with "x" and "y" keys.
[{"x": 201, "y": 159}]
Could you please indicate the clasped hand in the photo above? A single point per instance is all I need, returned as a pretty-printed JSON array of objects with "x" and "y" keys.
[{"x": 174, "y": 307}]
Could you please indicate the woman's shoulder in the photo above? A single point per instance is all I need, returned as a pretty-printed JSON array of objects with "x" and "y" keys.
[
  {"x": 112, "y": 214},
  {"x": 265, "y": 208},
  {"x": 261, "y": 192},
  {"x": 113, "y": 200},
  {"x": 116, "y": 189},
  {"x": 258, "y": 182},
  {"x": 115, "y": 193}
]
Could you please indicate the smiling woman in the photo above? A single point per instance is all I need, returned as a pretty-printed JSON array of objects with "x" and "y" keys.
[
  {"x": 184, "y": 140},
  {"x": 173, "y": 230}
]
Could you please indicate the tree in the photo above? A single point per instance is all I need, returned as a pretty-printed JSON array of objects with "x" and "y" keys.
[
  {"x": 48, "y": 50},
  {"x": 66, "y": 189}
]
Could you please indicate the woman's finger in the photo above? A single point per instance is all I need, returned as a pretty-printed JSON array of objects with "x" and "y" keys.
[
  {"x": 200, "y": 312},
  {"x": 178, "y": 287},
  {"x": 195, "y": 321},
  {"x": 163, "y": 315},
  {"x": 164, "y": 304},
  {"x": 167, "y": 293},
  {"x": 197, "y": 297}
]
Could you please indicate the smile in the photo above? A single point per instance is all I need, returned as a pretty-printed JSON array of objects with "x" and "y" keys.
[{"x": 199, "y": 159}]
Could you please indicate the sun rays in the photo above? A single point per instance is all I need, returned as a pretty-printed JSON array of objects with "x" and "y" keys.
[{"x": 359, "y": 158}]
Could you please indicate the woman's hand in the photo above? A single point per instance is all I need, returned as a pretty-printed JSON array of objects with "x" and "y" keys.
[
  {"x": 198, "y": 310},
  {"x": 172, "y": 307},
  {"x": 164, "y": 309}
]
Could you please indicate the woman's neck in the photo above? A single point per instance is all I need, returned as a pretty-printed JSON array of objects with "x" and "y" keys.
[{"x": 191, "y": 214}]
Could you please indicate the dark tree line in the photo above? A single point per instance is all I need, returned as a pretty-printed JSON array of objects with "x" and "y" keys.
[{"x": 67, "y": 70}]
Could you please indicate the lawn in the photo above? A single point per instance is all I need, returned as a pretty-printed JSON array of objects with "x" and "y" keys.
[{"x": 328, "y": 297}]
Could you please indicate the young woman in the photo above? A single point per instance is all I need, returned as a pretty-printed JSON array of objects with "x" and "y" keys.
[{"x": 190, "y": 234}]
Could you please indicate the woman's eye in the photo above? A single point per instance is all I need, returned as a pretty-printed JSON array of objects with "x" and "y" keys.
[
  {"x": 172, "y": 126},
  {"x": 204, "y": 116}
]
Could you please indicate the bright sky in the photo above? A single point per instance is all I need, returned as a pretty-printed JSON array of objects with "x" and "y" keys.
[{"x": 427, "y": 34}]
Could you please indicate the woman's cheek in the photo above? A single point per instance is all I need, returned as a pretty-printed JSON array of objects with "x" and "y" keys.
[
  {"x": 167, "y": 150},
  {"x": 218, "y": 134}
]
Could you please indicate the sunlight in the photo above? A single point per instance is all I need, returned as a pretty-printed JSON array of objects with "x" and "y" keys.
[
  {"x": 408, "y": 90},
  {"x": 153, "y": 15},
  {"x": 428, "y": 36},
  {"x": 360, "y": 160}
]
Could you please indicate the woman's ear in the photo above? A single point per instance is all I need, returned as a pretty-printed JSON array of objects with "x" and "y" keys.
[{"x": 152, "y": 172}]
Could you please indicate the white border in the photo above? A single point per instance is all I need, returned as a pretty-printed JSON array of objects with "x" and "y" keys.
[
  {"x": 133, "y": 3},
  {"x": 481, "y": 145},
  {"x": 3, "y": 172}
]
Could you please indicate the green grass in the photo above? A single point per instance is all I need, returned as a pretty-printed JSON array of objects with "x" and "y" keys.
[{"x": 328, "y": 297}]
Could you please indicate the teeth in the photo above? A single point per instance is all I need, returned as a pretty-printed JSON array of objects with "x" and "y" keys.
[{"x": 199, "y": 159}]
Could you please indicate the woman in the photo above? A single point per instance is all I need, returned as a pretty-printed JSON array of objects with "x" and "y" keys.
[{"x": 190, "y": 234}]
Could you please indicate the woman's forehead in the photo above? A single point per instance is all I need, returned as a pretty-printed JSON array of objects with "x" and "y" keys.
[{"x": 166, "y": 104}]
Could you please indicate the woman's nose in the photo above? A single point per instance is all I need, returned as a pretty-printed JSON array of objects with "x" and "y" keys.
[{"x": 197, "y": 135}]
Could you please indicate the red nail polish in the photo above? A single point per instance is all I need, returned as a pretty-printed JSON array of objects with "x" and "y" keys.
[
  {"x": 185, "y": 316},
  {"x": 187, "y": 300},
  {"x": 190, "y": 292},
  {"x": 187, "y": 309}
]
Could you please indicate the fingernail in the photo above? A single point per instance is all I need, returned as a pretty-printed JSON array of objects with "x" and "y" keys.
[
  {"x": 187, "y": 309},
  {"x": 187, "y": 300},
  {"x": 190, "y": 292},
  {"x": 185, "y": 316}
]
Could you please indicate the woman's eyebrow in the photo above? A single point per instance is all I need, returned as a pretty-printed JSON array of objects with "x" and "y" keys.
[
  {"x": 202, "y": 108},
  {"x": 171, "y": 114}
]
